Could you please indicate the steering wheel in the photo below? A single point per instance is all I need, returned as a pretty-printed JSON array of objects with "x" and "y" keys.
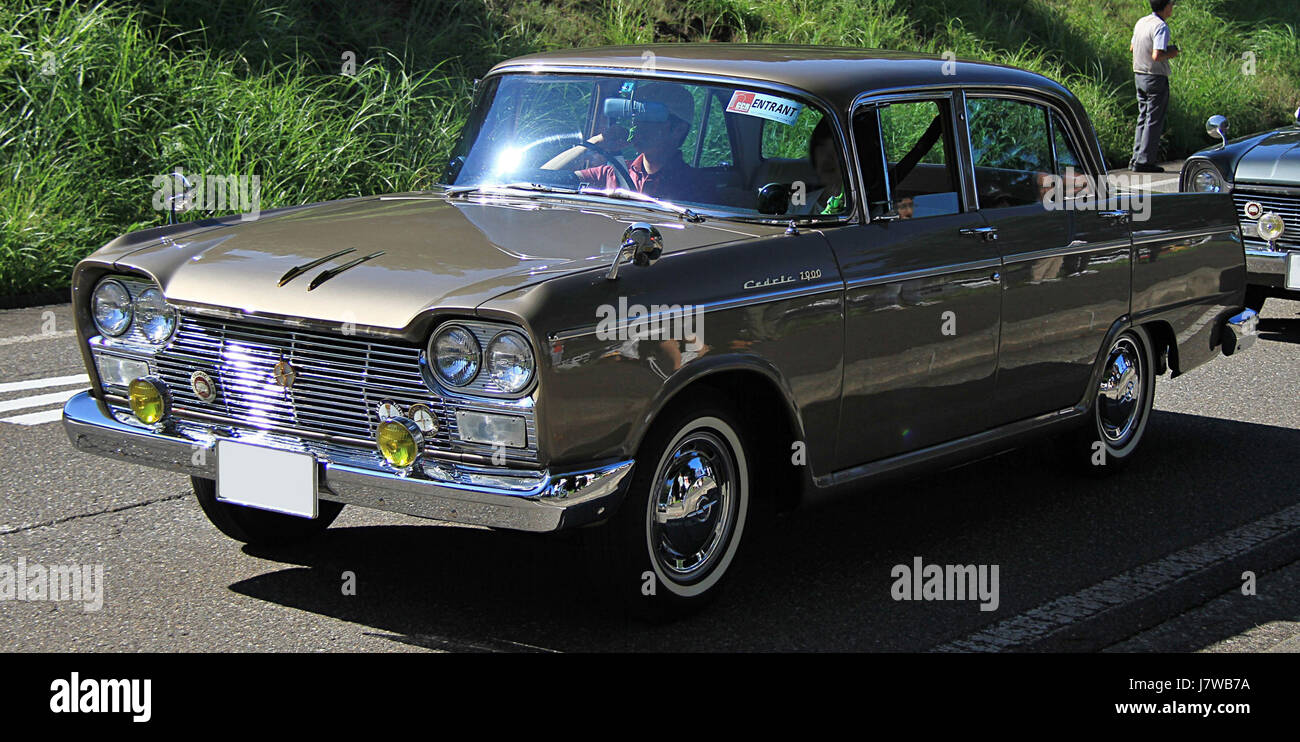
[{"x": 620, "y": 170}]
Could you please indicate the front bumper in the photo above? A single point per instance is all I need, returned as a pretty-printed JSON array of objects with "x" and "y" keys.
[
  {"x": 1266, "y": 267},
  {"x": 547, "y": 502}
]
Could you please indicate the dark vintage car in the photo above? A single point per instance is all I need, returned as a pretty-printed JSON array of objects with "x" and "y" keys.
[
  {"x": 1262, "y": 172},
  {"x": 661, "y": 291}
]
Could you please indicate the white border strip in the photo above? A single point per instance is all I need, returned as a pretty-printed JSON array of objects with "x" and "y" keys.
[{"x": 1048, "y": 618}]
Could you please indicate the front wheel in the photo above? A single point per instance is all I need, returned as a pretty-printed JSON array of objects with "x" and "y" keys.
[
  {"x": 261, "y": 527},
  {"x": 673, "y": 540}
]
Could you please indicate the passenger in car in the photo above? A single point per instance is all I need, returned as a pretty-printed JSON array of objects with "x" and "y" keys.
[{"x": 828, "y": 198}]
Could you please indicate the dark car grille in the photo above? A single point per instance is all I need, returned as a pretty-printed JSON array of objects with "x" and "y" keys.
[
  {"x": 1287, "y": 207},
  {"x": 340, "y": 380}
]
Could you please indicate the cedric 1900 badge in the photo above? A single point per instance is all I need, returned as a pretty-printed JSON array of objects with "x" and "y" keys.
[{"x": 203, "y": 385}]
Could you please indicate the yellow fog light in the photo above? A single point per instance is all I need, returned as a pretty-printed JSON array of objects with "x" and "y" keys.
[
  {"x": 1271, "y": 226},
  {"x": 149, "y": 401},
  {"x": 399, "y": 441}
]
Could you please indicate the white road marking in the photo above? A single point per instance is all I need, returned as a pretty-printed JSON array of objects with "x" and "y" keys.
[
  {"x": 18, "y": 386},
  {"x": 1048, "y": 618},
  {"x": 33, "y": 338},
  {"x": 39, "y": 400},
  {"x": 36, "y": 418}
]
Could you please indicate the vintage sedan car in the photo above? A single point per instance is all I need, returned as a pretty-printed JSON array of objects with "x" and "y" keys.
[
  {"x": 656, "y": 299},
  {"x": 1262, "y": 172}
]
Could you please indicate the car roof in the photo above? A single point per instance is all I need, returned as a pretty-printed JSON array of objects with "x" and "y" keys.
[{"x": 836, "y": 74}]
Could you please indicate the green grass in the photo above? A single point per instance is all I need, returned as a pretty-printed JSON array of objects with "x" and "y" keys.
[{"x": 253, "y": 87}]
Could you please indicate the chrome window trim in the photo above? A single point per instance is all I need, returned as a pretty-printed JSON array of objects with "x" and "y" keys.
[
  {"x": 1050, "y": 106},
  {"x": 827, "y": 110},
  {"x": 931, "y": 94},
  {"x": 1036, "y": 94}
]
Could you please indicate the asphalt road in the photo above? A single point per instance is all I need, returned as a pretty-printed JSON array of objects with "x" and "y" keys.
[{"x": 1150, "y": 558}]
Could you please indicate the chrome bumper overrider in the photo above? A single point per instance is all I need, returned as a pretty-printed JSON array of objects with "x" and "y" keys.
[
  {"x": 545, "y": 502},
  {"x": 1242, "y": 331}
]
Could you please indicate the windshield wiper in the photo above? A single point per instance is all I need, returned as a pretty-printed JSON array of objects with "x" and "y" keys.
[
  {"x": 624, "y": 193},
  {"x": 520, "y": 186}
]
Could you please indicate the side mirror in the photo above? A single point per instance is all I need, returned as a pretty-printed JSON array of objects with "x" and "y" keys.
[
  {"x": 1217, "y": 126},
  {"x": 773, "y": 198},
  {"x": 1297, "y": 115},
  {"x": 181, "y": 190},
  {"x": 642, "y": 243}
]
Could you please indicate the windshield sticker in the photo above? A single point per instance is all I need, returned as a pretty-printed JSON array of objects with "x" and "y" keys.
[{"x": 763, "y": 106}]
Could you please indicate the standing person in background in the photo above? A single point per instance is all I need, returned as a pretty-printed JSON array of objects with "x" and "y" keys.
[{"x": 1152, "y": 50}]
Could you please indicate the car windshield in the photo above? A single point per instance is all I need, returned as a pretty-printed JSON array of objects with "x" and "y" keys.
[{"x": 722, "y": 150}]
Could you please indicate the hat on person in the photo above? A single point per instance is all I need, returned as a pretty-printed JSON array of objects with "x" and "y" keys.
[{"x": 673, "y": 97}]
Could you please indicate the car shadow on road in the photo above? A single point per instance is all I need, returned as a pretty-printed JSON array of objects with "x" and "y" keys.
[
  {"x": 1279, "y": 330},
  {"x": 818, "y": 579}
]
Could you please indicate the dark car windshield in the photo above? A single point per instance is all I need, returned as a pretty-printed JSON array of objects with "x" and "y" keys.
[{"x": 711, "y": 148}]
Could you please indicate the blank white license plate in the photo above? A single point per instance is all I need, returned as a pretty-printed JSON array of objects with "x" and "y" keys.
[
  {"x": 267, "y": 478},
  {"x": 1293, "y": 271}
]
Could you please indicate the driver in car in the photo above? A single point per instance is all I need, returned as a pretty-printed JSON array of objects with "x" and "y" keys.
[{"x": 658, "y": 169}]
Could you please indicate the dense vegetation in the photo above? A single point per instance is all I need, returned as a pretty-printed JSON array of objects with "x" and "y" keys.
[{"x": 98, "y": 99}]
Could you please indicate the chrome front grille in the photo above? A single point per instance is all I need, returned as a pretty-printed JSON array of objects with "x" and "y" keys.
[
  {"x": 340, "y": 381},
  {"x": 1287, "y": 207}
]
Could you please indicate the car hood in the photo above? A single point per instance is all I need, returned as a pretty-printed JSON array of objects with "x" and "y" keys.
[
  {"x": 1275, "y": 160},
  {"x": 448, "y": 253}
]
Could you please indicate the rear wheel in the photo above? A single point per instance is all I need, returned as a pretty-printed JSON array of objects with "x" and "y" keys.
[
  {"x": 1121, "y": 405},
  {"x": 672, "y": 542},
  {"x": 261, "y": 527}
]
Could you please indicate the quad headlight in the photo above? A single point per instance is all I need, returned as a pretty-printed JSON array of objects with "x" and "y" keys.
[
  {"x": 493, "y": 360},
  {"x": 111, "y": 307},
  {"x": 455, "y": 355},
  {"x": 509, "y": 362},
  {"x": 154, "y": 316},
  {"x": 115, "y": 310}
]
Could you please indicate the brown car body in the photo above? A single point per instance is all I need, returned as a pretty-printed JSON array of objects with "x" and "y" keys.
[{"x": 831, "y": 334}]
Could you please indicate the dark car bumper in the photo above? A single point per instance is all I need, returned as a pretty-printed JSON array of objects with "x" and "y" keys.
[{"x": 538, "y": 501}]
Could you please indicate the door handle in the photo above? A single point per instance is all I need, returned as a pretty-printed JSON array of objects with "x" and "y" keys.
[
  {"x": 1120, "y": 215},
  {"x": 988, "y": 234}
]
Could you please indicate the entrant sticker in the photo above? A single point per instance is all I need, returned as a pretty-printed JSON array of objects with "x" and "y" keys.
[{"x": 768, "y": 107}]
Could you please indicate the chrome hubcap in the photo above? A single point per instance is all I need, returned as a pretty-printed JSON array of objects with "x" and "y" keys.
[
  {"x": 693, "y": 506},
  {"x": 1120, "y": 398}
]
